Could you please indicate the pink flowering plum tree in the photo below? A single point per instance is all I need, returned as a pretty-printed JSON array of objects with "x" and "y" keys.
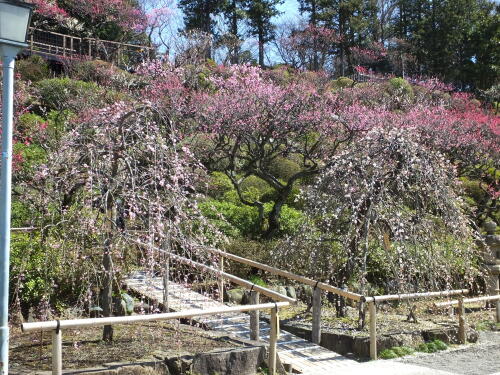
[
  {"x": 248, "y": 122},
  {"x": 118, "y": 177},
  {"x": 386, "y": 202}
]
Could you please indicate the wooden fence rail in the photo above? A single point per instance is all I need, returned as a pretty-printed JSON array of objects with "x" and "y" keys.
[
  {"x": 68, "y": 46},
  {"x": 57, "y": 326},
  {"x": 318, "y": 286}
]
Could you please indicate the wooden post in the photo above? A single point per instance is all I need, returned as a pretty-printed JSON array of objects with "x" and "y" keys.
[
  {"x": 373, "y": 330},
  {"x": 57, "y": 352},
  {"x": 64, "y": 46},
  {"x": 221, "y": 280},
  {"x": 166, "y": 276},
  {"x": 31, "y": 41},
  {"x": 72, "y": 45},
  {"x": 90, "y": 47},
  {"x": 461, "y": 321},
  {"x": 316, "y": 316},
  {"x": 254, "y": 317},
  {"x": 498, "y": 310},
  {"x": 273, "y": 340}
]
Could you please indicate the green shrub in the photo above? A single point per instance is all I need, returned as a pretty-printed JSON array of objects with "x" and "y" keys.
[
  {"x": 400, "y": 87},
  {"x": 342, "y": 83},
  {"x": 388, "y": 354},
  {"x": 33, "y": 68},
  {"x": 257, "y": 281},
  {"x": 440, "y": 345},
  {"x": 100, "y": 72},
  {"x": 423, "y": 348},
  {"x": 401, "y": 351},
  {"x": 283, "y": 168},
  {"x": 431, "y": 347},
  {"x": 254, "y": 188},
  {"x": 65, "y": 93},
  {"x": 219, "y": 184}
]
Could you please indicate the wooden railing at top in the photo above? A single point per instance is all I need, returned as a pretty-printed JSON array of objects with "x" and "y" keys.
[
  {"x": 319, "y": 286},
  {"x": 67, "y": 46}
]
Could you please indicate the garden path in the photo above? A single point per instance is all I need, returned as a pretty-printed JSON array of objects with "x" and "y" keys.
[{"x": 304, "y": 356}]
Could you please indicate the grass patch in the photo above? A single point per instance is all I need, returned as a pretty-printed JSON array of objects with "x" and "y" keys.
[
  {"x": 432, "y": 347},
  {"x": 395, "y": 352}
]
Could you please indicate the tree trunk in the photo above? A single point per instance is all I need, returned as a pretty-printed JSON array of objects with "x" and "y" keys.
[
  {"x": 261, "y": 46},
  {"x": 107, "y": 292}
]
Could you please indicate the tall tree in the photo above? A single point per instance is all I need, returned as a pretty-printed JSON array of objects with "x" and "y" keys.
[
  {"x": 198, "y": 15},
  {"x": 234, "y": 12},
  {"x": 260, "y": 13}
]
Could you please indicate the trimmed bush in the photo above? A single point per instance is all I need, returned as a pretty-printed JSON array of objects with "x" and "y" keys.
[
  {"x": 342, "y": 83},
  {"x": 33, "y": 68},
  {"x": 388, "y": 354},
  {"x": 440, "y": 345},
  {"x": 65, "y": 93},
  {"x": 400, "y": 87}
]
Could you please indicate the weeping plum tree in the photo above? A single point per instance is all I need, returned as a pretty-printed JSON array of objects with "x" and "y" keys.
[
  {"x": 118, "y": 176},
  {"x": 390, "y": 201},
  {"x": 249, "y": 122}
]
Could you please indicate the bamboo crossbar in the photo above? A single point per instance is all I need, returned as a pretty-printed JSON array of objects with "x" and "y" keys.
[
  {"x": 289, "y": 275},
  {"x": 95, "y": 322},
  {"x": 401, "y": 297},
  {"x": 468, "y": 300},
  {"x": 228, "y": 276}
]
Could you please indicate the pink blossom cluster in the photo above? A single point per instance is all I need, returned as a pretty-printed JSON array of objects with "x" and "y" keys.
[{"x": 50, "y": 9}]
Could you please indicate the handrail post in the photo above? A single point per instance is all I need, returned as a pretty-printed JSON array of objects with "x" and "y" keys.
[
  {"x": 273, "y": 340},
  {"x": 254, "y": 317},
  {"x": 461, "y": 321},
  {"x": 166, "y": 279},
  {"x": 221, "y": 280},
  {"x": 498, "y": 310},
  {"x": 57, "y": 352},
  {"x": 64, "y": 46},
  {"x": 316, "y": 316},
  {"x": 373, "y": 329}
]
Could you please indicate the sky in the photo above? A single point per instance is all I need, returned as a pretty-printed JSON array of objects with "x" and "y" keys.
[{"x": 289, "y": 9}]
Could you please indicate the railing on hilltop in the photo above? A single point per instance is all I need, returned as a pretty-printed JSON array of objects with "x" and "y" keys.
[{"x": 67, "y": 46}]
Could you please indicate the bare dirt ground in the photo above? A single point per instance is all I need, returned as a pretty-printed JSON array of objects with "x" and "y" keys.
[
  {"x": 84, "y": 348},
  {"x": 482, "y": 358}
]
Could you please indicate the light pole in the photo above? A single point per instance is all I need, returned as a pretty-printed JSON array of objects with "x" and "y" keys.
[{"x": 14, "y": 22}]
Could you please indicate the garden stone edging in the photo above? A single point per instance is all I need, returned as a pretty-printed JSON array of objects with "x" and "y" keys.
[{"x": 360, "y": 345}]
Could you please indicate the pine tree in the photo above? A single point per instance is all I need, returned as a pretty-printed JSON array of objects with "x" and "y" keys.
[
  {"x": 198, "y": 15},
  {"x": 260, "y": 13}
]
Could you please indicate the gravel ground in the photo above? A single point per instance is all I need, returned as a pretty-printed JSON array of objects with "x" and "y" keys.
[{"x": 475, "y": 359}]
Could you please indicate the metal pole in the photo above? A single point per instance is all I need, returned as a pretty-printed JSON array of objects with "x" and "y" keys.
[{"x": 8, "y": 54}]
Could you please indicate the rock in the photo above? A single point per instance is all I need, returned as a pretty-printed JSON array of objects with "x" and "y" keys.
[
  {"x": 279, "y": 289},
  {"x": 127, "y": 303},
  {"x": 338, "y": 343},
  {"x": 307, "y": 290},
  {"x": 235, "y": 296},
  {"x": 141, "y": 307},
  {"x": 95, "y": 312},
  {"x": 240, "y": 361},
  {"x": 179, "y": 365},
  {"x": 290, "y": 292}
]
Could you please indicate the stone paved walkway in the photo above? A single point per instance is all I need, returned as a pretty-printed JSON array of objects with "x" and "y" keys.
[{"x": 306, "y": 357}]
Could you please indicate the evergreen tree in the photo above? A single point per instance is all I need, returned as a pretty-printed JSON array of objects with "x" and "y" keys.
[
  {"x": 260, "y": 13},
  {"x": 234, "y": 12},
  {"x": 198, "y": 15}
]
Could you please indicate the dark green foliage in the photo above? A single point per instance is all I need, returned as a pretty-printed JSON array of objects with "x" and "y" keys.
[
  {"x": 198, "y": 13},
  {"x": 400, "y": 87},
  {"x": 239, "y": 220},
  {"x": 65, "y": 93},
  {"x": 402, "y": 350},
  {"x": 33, "y": 68},
  {"x": 260, "y": 14},
  {"x": 388, "y": 354},
  {"x": 440, "y": 345},
  {"x": 257, "y": 281}
]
